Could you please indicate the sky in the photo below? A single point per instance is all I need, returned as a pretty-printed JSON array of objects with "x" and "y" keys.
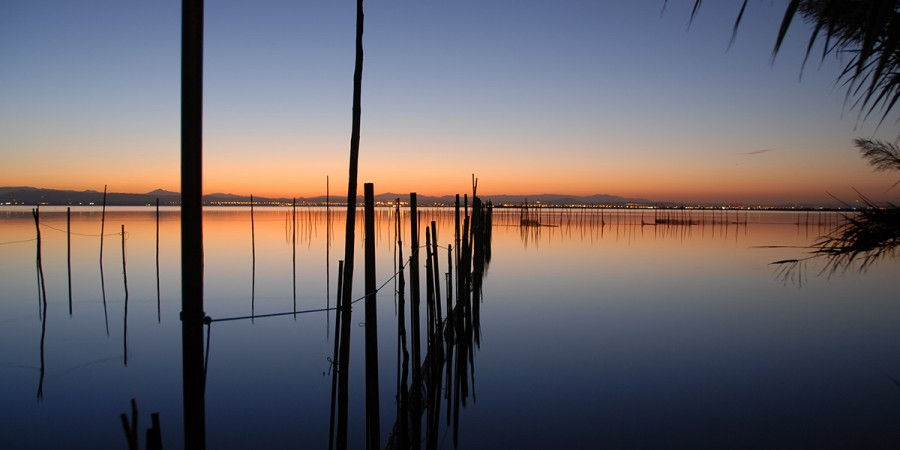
[{"x": 574, "y": 97}]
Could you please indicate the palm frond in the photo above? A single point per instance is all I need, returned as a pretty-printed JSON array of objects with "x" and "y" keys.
[
  {"x": 883, "y": 156},
  {"x": 867, "y": 30},
  {"x": 863, "y": 238}
]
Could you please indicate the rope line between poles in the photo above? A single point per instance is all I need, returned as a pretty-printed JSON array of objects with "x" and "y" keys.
[{"x": 210, "y": 320}]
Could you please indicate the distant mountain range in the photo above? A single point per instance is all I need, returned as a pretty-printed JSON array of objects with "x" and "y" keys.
[{"x": 31, "y": 196}]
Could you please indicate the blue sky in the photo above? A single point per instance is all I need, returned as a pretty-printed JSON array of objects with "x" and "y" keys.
[{"x": 534, "y": 96}]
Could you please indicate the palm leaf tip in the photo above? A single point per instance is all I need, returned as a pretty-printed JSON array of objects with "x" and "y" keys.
[{"x": 883, "y": 156}]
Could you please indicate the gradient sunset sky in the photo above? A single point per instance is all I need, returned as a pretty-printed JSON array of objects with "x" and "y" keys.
[{"x": 576, "y": 97}]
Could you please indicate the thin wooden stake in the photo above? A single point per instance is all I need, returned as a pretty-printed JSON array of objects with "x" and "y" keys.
[
  {"x": 328, "y": 259},
  {"x": 253, "y": 261},
  {"x": 436, "y": 274},
  {"x": 415, "y": 437},
  {"x": 102, "y": 278},
  {"x": 131, "y": 433},
  {"x": 294, "y": 252},
  {"x": 102, "y": 225},
  {"x": 373, "y": 422},
  {"x": 158, "y": 315},
  {"x": 125, "y": 284},
  {"x": 335, "y": 365},
  {"x": 69, "y": 253},
  {"x": 154, "y": 433},
  {"x": 42, "y": 292}
]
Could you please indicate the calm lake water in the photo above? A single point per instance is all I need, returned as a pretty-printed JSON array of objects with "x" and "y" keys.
[{"x": 596, "y": 333}]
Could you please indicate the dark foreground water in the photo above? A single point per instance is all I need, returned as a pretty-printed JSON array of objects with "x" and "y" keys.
[{"x": 596, "y": 333}]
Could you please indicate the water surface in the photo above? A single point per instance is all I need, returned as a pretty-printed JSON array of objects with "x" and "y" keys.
[{"x": 598, "y": 331}]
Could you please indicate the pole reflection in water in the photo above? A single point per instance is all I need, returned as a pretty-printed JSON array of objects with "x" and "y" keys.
[
  {"x": 451, "y": 342},
  {"x": 42, "y": 298}
]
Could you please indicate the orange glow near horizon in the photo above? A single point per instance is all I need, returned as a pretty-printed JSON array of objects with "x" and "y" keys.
[
  {"x": 707, "y": 181},
  {"x": 699, "y": 173}
]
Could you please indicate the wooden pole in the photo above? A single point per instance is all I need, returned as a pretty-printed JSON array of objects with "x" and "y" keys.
[
  {"x": 192, "y": 315},
  {"x": 456, "y": 255},
  {"x": 343, "y": 364},
  {"x": 373, "y": 422},
  {"x": 252, "y": 260},
  {"x": 102, "y": 278},
  {"x": 158, "y": 315},
  {"x": 449, "y": 353},
  {"x": 416, "y": 425},
  {"x": 328, "y": 260},
  {"x": 154, "y": 433},
  {"x": 131, "y": 433},
  {"x": 69, "y": 253},
  {"x": 436, "y": 274},
  {"x": 125, "y": 284},
  {"x": 403, "y": 387},
  {"x": 294, "y": 252},
  {"x": 42, "y": 298},
  {"x": 429, "y": 290},
  {"x": 449, "y": 282},
  {"x": 102, "y": 225},
  {"x": 335, "y": 366},
  {"x": 42, "y": 292},
  {"x": 350, "y": 232}
]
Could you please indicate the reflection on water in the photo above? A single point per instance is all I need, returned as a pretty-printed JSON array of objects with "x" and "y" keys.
[{"x": 597, "y": 328}]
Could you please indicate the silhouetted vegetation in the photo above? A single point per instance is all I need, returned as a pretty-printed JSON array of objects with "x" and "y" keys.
[
  {"x": 866, "y": 237},
  {"x": 883, "y": 156},
  {"x": 867, "y": 31}
]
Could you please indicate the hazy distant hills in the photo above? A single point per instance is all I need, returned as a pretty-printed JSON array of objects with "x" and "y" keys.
[{"x": 31, "y": 196}]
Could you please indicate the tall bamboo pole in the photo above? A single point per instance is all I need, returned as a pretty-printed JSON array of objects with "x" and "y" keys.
[
  {"x": 350, "y": 238},
  {"x": 192, "y": 314}
]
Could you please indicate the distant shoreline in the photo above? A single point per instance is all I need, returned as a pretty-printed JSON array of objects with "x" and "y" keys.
[
  {"x": 30, "y": 196},
  {"x": 338, "y": 206}
]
